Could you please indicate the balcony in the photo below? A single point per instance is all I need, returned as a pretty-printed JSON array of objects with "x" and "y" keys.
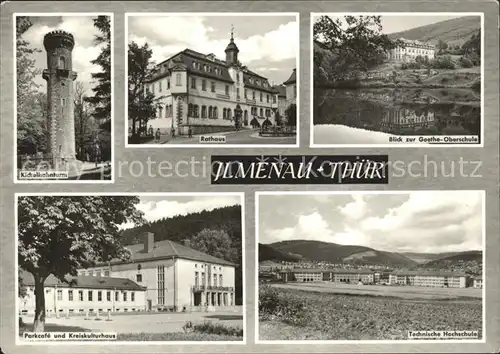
[
  {"x": 223, "y": 96},
  {"x": 201, "y": 288}
]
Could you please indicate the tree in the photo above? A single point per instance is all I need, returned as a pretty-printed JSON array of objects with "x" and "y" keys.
[
  {"x": 141, "y": 102},
  {"x": 216, "y": 243},
  {"x": 357, "y": 45},
  {"x": 84, "y": 123},
  {"x": 442, "y": 46},
  {"x": 101, "y": 100},
  {"x": 31, "y": 124},
  {"x": 277, "y": 118},
  {"x": 291, "y": 115},
  {"x": 58, "y": 235}
]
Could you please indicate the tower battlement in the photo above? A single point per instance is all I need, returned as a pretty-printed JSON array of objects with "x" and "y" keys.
[{"x": 58, "y": 39}]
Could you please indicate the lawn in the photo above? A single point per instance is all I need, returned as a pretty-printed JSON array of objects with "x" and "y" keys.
[
  {"x": 290, "y": 314},
  {"x": 179, "y": 336}
]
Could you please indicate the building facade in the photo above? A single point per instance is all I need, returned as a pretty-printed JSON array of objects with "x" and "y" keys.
[
  {"x": 348, "y": 276},
  {"x": 478, "y": 282},
  {"x": 430, "y": 279},
  {"x": 207, "y": 94},
  {"x": 175, "y": 277},
  {"x": 410, "y": 50},
  {"x": 83, "y": 295},
  {"x": 407, "y": 118},
  {"x": 291, "y": 88}
]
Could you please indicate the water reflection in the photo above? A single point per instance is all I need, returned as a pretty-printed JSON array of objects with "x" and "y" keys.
[{"x": 401, "y": 111}]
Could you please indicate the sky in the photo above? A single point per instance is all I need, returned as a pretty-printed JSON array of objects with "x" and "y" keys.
[
  {"x": 268, "y": 44},
  {"x": 158, "y": 207},
  {"x": 428, "y": 222},
  {"x": 83, "y": 30},
  {"x": 399, "y": 23}
]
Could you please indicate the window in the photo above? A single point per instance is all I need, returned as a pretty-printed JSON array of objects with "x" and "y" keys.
[
  {"x": 196, "y": 280},
  {"x": 80, "y": 295},
  {"x": 238, "y": 78},
  {"x": 178, "y": 79},
  {"x": 215, "y": 279},
  {"x": 220, "y": 279},
  {"x": 229, "y": 113},
  {"x": 161, "y": 285},
  {"x": 108, "y": 296},
  {"x": 138, "y": 278},
  {"x": 132, "y": 296},
  {"x": 159, "y": 86},
  {"x": 106, "y": 273},
  {"x": 202, "y": 278},
  {"x": 62, "y": 63},
  {"x": 213, "y": 86},
  {"x": 261, "y": 97},
  {"x": 237, "y": 93},
  {"x": 227, "y": 90},
  {"x": 267, "y": 98},
  {"x": 168, "y": 83},
  {"x": 89, "y": 295},
  {"x": 214, "y": 113},
  {"x": 261, "y": 113},
  {"x": 124, "y": 296},
  {"x": 204, "y": 85},
  {"x": 99, "y": 296},
  {"x": 209, "y": 116},
  {"x": 70, "y": 295},
  {"x": 63, "y": 101},
  {"x": 245, "y": 93},
  {"x": 193, "y": 83},
  {"x": 59, "y": 294},
  {"x": 117, "y": 296},
  {"x": 203, "y": 111},
  {"x": 253, "y": 95},
  {"x": 274, "y": 99}
]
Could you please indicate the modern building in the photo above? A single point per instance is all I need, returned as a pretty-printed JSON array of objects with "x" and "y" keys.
[
  {"x": 348, "y": 276},
  {"x": 84, "y": 294},
  {"x": 176, "y": 277},
  {"x": 410, "y": 50},
  {"x": 430, "y": 279},
  {"x": 209, "y": 94}
]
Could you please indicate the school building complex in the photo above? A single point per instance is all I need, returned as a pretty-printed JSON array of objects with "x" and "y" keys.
[
  {"x": 410, "y": 50},
  {"x": 161, "y": 276},
  {"x": 368, "y": 276}
]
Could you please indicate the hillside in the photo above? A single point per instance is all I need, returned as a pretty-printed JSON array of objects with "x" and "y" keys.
[
  {"x": 268, "y": 253},
  {"x": 422, "y": 258},
  {"x": 460, "y": 257},
  {"x": 335, "y": 253},
  {"x": 454, "y": 31}
]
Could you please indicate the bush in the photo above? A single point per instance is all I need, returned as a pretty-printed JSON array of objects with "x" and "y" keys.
[
  {"x": 443, "y": 62},
  {"x": 286, "y": 307},
  {"x": 466, "y": 62}
]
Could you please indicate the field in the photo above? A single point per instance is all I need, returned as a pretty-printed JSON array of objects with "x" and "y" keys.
[{"x": 327, "y": 312}]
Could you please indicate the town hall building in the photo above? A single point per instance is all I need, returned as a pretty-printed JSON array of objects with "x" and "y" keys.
[{"x": 207, "y": 94}]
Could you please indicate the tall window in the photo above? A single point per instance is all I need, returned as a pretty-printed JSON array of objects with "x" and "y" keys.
[
  {"x": 70, "y": 295},
  {"x": 220, "y": 280},
  {"x": 202, "y": 278},
  {"x": 108, "y": 296},
  {"x": 124, "y": 296},
  {"x": 177, "y": 79},
  {"x": 214, "y": 113},
  {"x": 213, "y": 86},
  {"x": 132, "y": 296},
  {"x": 99, "y": 296},
  {"x": 59, "y": 294},
  {"x": 261, "y": 97},
  {"x": 237, "y": 93},
  {"x": 204, "y": 85},
  {"x": 203, "y": 111},
  {"x": 117, "y": 296},
  {"x": 89, "y": 295},
  {"x": 196, "y": 280},
  {"x": 253, "y": 95},
  {"x": 261, "y": 113},
  {"x": 267, "y": 98},
  {"x": 62, "y": 63},
  {"x": 193, "y": 83},
  {"x": 159, "y": 86},
  {"x": 229, "y": 113},
  {"x": 168, "y": 83},
  {"x": 238, "y": 78},
  {"x": 227, "y": 90},
  {"x": 245, "y": 93},
  {"x": 210, "y": 112},
  {"x": 161, "y": 285},
  {"x": 215, "y": 279},
  {"x": 80, "y": 295}
]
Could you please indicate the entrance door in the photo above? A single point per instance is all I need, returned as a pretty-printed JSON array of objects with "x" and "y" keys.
[{"x": 150, "y": 305}]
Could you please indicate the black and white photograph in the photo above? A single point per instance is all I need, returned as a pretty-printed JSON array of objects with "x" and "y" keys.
[
  {"x": 63, "y": 83},
  {"x": 212, "y": 79},
  {"x": 131, "y": 268},
  {"x": 370, "y": 266},
  {"x": 397, "y": 79}
]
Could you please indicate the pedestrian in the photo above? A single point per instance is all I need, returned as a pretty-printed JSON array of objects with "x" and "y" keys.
[
  {"x": 157, "y": 136},
  {"x": 190, "y": 132},
  {"x": 150, "y": 130},
  {"x": 173, "y": 132}
]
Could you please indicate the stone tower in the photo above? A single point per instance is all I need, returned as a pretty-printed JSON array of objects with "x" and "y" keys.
[
  {"x": 232, "y": 51},
  {"x": 59, "y": 76}
]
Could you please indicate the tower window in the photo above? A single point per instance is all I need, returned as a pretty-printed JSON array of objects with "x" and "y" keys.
[
  {"x": 178, "y": 79},
  {"x": 63, "y": 101}
]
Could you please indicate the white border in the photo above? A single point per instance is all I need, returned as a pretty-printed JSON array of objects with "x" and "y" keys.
[
  {"x": 149, "y": 194},
  {"x": 402, "y": 14},
  {"x": 362, "y": 342},
  {"x": 42, "y": 14},
  {"x": 215, "y": 14}
]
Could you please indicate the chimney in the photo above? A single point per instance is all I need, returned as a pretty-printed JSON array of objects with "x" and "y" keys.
[
  {"x": 149, "y": 241},
  {"x": 187, "y": 242}
]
